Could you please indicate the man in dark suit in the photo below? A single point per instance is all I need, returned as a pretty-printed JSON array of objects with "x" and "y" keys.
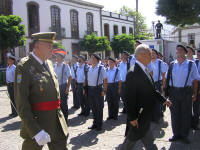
[{"x": 140, "y": 99}]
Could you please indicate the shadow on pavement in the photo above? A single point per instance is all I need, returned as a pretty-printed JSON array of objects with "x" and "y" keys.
[
  {"x": 111, "y": 124},
  {"x": 11, "y": 126},
  {"x": 84, "y": 140},
  {"x": 71, "y": 111},
  {"x": 3, "y": 90},
  {"x": 139, "y": 146},
  {"x": 194, "y": 145},
  {"x": 78, "y": 120},
  {"x": 2, "y": 120}
]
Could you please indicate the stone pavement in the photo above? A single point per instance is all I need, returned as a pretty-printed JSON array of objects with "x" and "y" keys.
[{"x": 81, "y": 138}]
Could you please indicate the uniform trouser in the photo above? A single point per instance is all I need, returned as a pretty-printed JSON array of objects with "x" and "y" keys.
[
  {"x": 64, "y": 99},
  {"x": 113, "y": 100},
  {"x": 195, "y": 111},
  {"x": 158, "y": 33},
  {"x": 158, "y": 107},
  {"x": 96, "y": 104},
  {"x": 181, "y": 111},
  {"x": 147, "y": 140},
  {"x": 122, "y": 95},
  {"x": 85, "y": 109},
  {"x": 76, "y": 103},
  {"x": 10, "y": 89},
  {"x": 30, "y": 144}
]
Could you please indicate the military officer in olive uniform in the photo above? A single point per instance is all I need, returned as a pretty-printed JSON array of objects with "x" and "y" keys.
[{"x": 37, "y": 98}]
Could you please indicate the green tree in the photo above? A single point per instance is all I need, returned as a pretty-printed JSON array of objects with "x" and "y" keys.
[
  {"x": 179, "y": 12},
  {"x": 141, "y": 31},
  {"x": 122, "y": 43},
  {"x": 58, "y": 45},
  {"x": 12, "y": 33},
  {"x": 92, "y": 43}
]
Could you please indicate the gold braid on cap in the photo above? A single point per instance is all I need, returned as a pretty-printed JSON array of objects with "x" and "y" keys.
[{"x": 48, "y": 40}]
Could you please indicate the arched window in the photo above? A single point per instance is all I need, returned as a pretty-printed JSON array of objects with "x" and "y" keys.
[
  {"x": 131, "y": 30},
  {"x": 6, "y": 7},
  {"x": 74, "y": 24},
  {"x": 115, "y": 28},
  {"x": 55, "y": 17},
  {"x": 33, "y": 18},
  {"x": 124, "y": 30},
  {"x": 90, "y": 26},
  {"x": 107, "y": 31}
]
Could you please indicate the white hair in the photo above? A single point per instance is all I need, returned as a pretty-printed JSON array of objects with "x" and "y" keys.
[{"x": 141, "y": 49}]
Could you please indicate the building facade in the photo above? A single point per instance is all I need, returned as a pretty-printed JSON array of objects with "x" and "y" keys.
[
  {"x": 190, "y": 35},
  {"x": 70, "y": 19}
]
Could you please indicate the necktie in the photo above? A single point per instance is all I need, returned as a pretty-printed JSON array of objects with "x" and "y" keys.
[
  {"x": 46, "y": 68},
  {"x": 148, "y": 75}
]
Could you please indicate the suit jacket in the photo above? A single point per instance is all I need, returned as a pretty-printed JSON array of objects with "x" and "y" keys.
[
  {"x": 33, "y": 84},
  {"x": 140, "y": 99}
]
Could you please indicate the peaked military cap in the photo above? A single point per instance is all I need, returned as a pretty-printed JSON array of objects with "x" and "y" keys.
[
  {"x": 96, "y": 56},
  {"x": 112, "y": 59},
  {"x": 125, "y": 52},
  {"x": 185, "y": 49},
  {"x": 75, "y": 56},
  {"x": 157, "y": 53},
  {"x": 138, "y": 42},
  {"x": 11, "y": 57},
  {"x": 44, "y": 36},
  {"x": 60, "y": 52},
  {"x": 190, "y": 48},
  {"x": 82, "y": 57}
]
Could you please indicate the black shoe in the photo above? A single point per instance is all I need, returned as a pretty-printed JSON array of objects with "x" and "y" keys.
[
  {"x": 92, "y": 127},
  {"x": 99, "y": 128},
  {"x": 81, "y": 114},
  {"x": 109, "y": 118},
  {"x": 174, "y": 138},
  {"x": 115, "y": 118},
  {"x": 185, "y": 140},
  {"x": 13, "y": 115},
  {"x": 195, "y": 128},
  {"x": 86, "y": 114},
  {"x": 74, "y": 107},
  {"x": 124, "y": 111}
]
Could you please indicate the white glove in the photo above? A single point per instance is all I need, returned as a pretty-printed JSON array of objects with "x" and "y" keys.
[{"x": 42, "y": 138}]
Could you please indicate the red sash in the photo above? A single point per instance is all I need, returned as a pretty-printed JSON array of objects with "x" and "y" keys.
[{"x": 46, "y": 106}]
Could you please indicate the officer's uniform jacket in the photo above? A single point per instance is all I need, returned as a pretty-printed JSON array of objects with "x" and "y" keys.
[{"x": 35, "y": 85}]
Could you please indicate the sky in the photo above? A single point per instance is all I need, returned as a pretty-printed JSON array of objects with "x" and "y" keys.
[{"x": 146, "y": 7}]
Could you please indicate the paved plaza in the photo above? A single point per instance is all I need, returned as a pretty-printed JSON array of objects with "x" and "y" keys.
[{"x": 81, "y": 138}]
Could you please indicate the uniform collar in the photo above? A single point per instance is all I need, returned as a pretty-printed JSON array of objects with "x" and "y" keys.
[
  {"x": 141, "y": 65},
  {"x": 112, "y": 68},
  {"x": 81, "y": 65},
  {"x": 185, "y": 61},
  {"x": 61, "y": 64},
  {"x": 37, "y": 59}
]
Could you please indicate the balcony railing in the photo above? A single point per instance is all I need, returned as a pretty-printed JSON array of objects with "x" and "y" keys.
[
  {"x": 90, "y": 32},
  {"x": 60, "y": 32}
]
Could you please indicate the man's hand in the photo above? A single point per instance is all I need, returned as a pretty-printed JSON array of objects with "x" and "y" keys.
[
  {"x": 103, "y": 93},
  {"x": 42, "y": 138},
  {"x": 67, "y": 91},
  {"x": 168, "y": 103},
  {"x": 134, "y": 123},
  {"x": 194, "y": 98},
  {"x": 119, "y": 91},
  {"x": 83, "y": 92}
]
